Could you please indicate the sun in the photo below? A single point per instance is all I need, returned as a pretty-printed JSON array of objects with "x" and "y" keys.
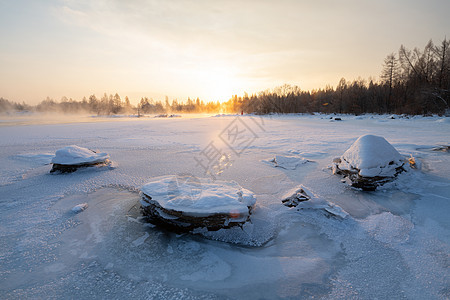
[
  {"x": 217, "y": 83},
  {"x": 221, "y": 89}
]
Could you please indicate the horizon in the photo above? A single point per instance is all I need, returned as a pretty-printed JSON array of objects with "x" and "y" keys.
[{"x": 204, "y": 50}]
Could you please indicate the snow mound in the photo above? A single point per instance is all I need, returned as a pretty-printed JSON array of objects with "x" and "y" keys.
[
  {"x": 369, "y": 162},
  {"x": 75, "y": 155},
  {"x": 189, "y": 202},
  {"x": 288, "y": 162}
]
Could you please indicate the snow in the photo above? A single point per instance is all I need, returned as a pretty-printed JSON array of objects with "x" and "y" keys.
[
  {"x": 372, "y": 156},
  {"x": 75, "y": 155},
  {"x": 392, "y": 243},
  {"x": 208, "y": 198}
]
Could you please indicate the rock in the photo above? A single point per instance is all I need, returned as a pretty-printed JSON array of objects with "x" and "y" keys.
[
  {"x": 302, "y": 199},
  {"x": 298, "y": 196},
  {"x": 185, "y": 203},
  {"x": 370, "y": 162},
  {"x": 72, "y": 158}
]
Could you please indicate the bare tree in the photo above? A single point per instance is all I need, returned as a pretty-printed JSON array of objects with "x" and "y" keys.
[{"x": 389, "y": 76}]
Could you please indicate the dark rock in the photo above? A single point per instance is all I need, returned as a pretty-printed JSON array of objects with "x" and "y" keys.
[
  {"x": 178, "y": 221},
  {"x": 72, "y": 168},
  {"x": 298, "y": 196},
  {"x": 366, "y": 183}
]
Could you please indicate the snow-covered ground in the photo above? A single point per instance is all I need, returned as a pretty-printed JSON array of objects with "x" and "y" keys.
[{"x": 80, "y": 235}]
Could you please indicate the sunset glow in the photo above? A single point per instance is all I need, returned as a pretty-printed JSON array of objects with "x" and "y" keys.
[{"x": 206, "y": 49}]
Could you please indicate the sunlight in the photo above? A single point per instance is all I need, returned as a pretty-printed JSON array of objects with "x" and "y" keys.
[
  {"x": 221, "y": 88},
  {"x": 217, "y": 82}
]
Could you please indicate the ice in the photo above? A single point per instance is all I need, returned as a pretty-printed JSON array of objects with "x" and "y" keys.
[
  {"x": 141, "y": 240},
  {"x": 388, "y": 228},
  {"x": 212, "y": 268},
  {"x": 42, "y": 159},
  {"x": 392, "y": 243}
]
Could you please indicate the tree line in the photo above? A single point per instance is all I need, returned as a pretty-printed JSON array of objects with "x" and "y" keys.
[
  {"x": 113, "y": 104},
  {"x": 411, "y": 82}
]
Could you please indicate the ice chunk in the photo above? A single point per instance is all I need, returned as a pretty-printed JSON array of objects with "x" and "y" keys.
[
  {"x": 288, "y": 162},
  {"x": 80, "y": 207}
]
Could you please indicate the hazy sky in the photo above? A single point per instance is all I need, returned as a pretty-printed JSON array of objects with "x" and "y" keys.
[{"x": 205, "y": 48}]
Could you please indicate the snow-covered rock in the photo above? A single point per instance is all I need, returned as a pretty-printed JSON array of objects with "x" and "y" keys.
[
  {"x": 369, "y": 162},
  {"x": 70, "y": 158},
  {"x": 188, "y": 203}
]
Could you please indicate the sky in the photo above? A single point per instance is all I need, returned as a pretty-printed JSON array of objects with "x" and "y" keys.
[{"x": 211, "y": 49}]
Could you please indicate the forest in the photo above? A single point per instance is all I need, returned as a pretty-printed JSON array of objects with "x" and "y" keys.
[{"x": 414, "y": 82}]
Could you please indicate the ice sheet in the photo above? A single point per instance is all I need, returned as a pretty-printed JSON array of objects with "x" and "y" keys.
[{"x": 394, "y": 242}]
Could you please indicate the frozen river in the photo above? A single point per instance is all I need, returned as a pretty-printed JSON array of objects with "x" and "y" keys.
[{"x": 394, "y": 243}]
